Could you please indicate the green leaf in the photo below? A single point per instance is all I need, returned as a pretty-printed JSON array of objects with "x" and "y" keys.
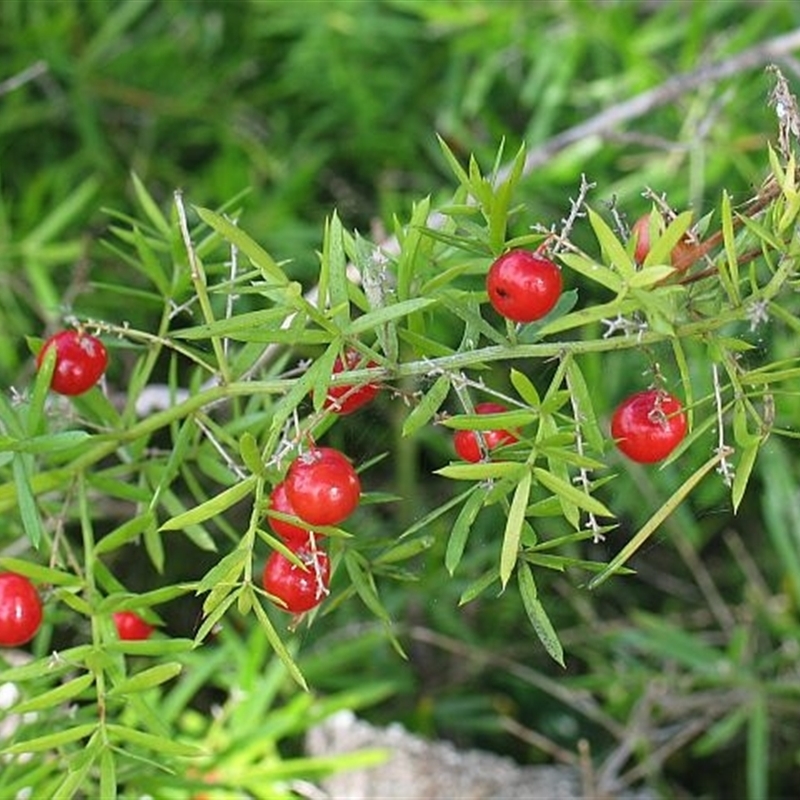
[
  {"x": 611, "y": 245},
  {"x": 22, "y": 466},
  {"x": 250, "y": 453},
  {"x": 592, "y": 270},
  {"x": 364, "y": 584},
  {"x": 61, "y": 694},
  {"x": 146, "y": 679},
  {"x": 212, "y": 507},
  {"x": 150, "y": 647},
  {"x": 51, "y": 741},
  {"x": 729, "y": 271},
  {"x": 158, "y": 744},
  {"x": 403, "y": 551},
  {"x": 652, "y": 524},
  {"x": 525, "y": 388},
  {"x": 537, "y": 615},
  {"x": 150, "y": 207},
  {"x": 428, "y": 406},
  {"x": 758, "y": 748},
  {"x": 571, "y": 493},
  {"x": 39, "y": 573},
  {"x": 333, "y": 281},
  {"x": 584, "y": 407},
  {"x": 49, "y": 666},
  {"x": 483, "y": 471},
  {"x": 225, "y": 572},
  {"x": 744, "y": 469},
  {"x": 125, "y": 533},
  {"x": 108, "y": 775},
  {"x": 246, "y": 245},
  {"x": 279, "y": 647},
  {"x": 460, "y": 531},
  {"x": 513, "y": 529},
  {"x": 380, "y": 316}
]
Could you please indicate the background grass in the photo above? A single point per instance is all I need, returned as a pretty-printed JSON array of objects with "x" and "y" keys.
[{"x": 307, "y": 106}]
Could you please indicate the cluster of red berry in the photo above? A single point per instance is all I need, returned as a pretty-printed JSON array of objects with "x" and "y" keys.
[{"x": 321, "y": 488}]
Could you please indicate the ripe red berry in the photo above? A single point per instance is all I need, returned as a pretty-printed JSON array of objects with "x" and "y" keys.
[
  {"x": 299, "y": 589},
  {"x": 346, "y": 399},
  {"x": 523, "y": 286},
  {"x": 649, "y": 425},
  {"x": 130, "y": 626},
  {"x": 292, "y": 535},
  {"x": 467, "y": 443},
  {"x": 20, "y": 610},
  {"x": 322, "y": 486},
  {"x": 81, "y": 360}
]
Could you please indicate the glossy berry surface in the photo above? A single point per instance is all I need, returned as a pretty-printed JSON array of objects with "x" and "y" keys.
[
  {"x": 467, "y": 443},
  {"x": 648, "y": 425},
  {"x": 347, "y": 398},
  {"x": 130, "y": 626},
  {"x": 522, "y": 286},
  {"x": 20, "y": 610},
  {"x": 322, "y": 486},
  {"x": 81, "y": 360},
  {"x": 299, "y": 589},
  {"x": 292, "y": 535}
]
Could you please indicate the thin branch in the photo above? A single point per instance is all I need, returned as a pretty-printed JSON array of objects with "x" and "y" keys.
[{"x": 670, "y": 90}]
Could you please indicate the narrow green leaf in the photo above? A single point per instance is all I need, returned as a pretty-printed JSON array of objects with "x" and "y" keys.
[
  {"x": 146, "y": 679},
  {"x": 525, "y": 388},
  {"x": 38, "y": 573},
  {"x": 364, "y": 585},
  {"x": 482, "y": 471},
  {"x": 251, "y": 455},
  {"x": 150, "y": 207},
  {"x": 729, "y": 273},
  {"x": 592, "y": 270},
  {"x": 744, "y": 469},
  {"x": 461, "y": 527},
  {"x": 108, "y": 775},
  {"x": 403, "y": 551},
  {"x": 513, "y": 529},
  {"x": 611, "y": 245},
  {"x": 49, "y": 666},
  {"x": 51, "y": 740},
  {"x": 226, "y": 571},
  {"x": 333, "y": 281},
  {"x": 212, "y": 507},
  {"x": 125, "y": 533},
  {"x": 582, "y": 401},
  {"x": 246, "y": 245},
  {"x": 380, "y": 316},
  {"x": 478, "y": 587},
  {"x": 431, "y": 516},
  {"x": 428, "y": 406},
  {"x": 537, "y": 615},
  {"x": 22, "y": 465},
  {"x": 571, "y": 493},
  {"x": 150, "y": 647},
  {"x": 279, "y": 647},
  {"x": 61, "y": 694},
  {"x": 652, "y": 524},
  {"x": 78, "y": 768},
  {"x": 158, "y": 744}
]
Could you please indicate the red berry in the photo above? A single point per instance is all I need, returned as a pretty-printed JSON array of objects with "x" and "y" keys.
[
  {"x": 467, "y": 443},
  {"x": 20, "y": 610},
  {"x": 346, "y": 399},
  {"x": 292, "y": 535},
  {"x": 81, "y": 360},
  {"x": 522, "y": 286},
  {"x": 649, "y": 425},
  {"x": 130, "y": 626},
  {"x": 299, "y": 589},
  {"x": 322, "y": 486}
]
